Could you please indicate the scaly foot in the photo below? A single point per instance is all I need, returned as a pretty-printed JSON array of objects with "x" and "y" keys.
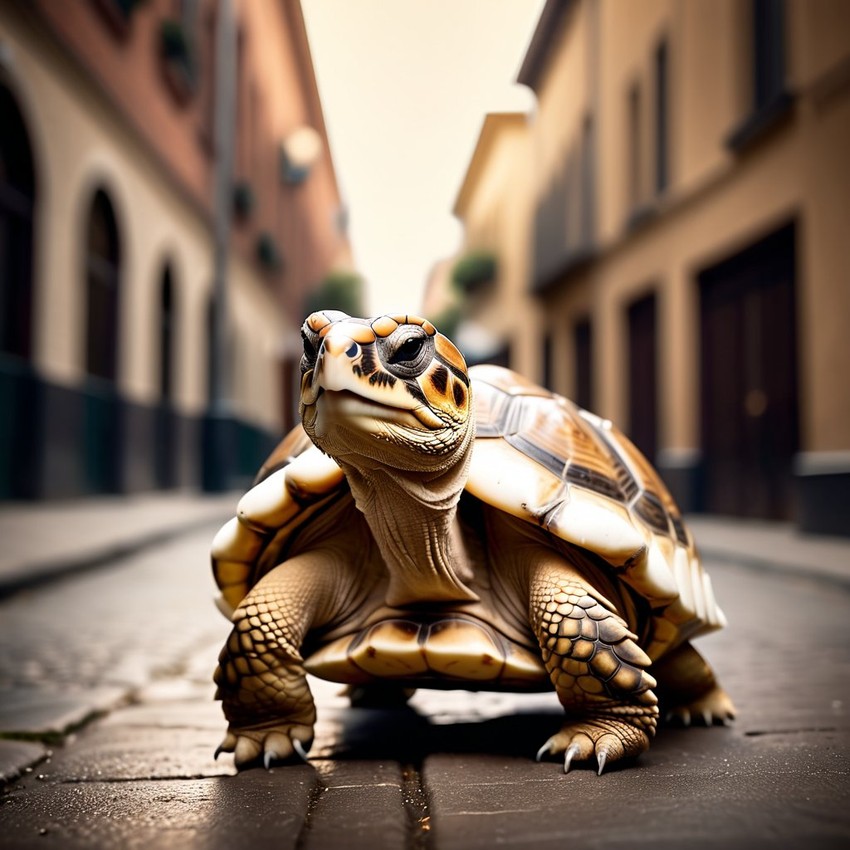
[
  {"x": 607, "y": 738},
  {"x": 267, "y": 742},
  {"x": 713, "y": 707}
]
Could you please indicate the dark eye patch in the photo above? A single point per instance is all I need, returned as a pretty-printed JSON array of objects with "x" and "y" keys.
[
  {"x": 460, "y": 394},
  {"x": 440, "y": 379}
]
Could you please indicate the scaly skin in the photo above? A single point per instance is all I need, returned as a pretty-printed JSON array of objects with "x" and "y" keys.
[
  {"x": 688, "y": 689},
  {"x": 578, "y": 618},
  {"x": 596, "y": 666},
  {"x": 389, "y": 399},
  {"x": 260, "y": 675}
]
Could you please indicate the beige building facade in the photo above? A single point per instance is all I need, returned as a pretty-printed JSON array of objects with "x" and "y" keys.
[
  {"x": 107, "y": 245},
  {"x": 684, "y": 255}
]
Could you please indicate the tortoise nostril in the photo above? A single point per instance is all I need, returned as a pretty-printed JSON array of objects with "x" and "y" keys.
[{"x": 353, "y": 350}]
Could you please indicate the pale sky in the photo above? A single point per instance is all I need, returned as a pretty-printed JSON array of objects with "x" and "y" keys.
[{"x": 405, "y": 85}]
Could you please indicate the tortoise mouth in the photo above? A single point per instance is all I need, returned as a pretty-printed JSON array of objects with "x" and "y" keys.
[{"x": 349, "y": 407}]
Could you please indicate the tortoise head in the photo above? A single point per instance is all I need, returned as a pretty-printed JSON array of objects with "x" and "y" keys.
[{"x": 389, "y": 389}]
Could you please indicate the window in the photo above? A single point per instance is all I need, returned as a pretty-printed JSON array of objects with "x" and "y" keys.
[
  {"x": 17, "y": 196},
  {"x": 102, "y": 272},
  {"x": 166, "y": 337},
  {"x": 212, "y": 352},
  {"x": 770, "y": 101},
  {"x": 642, "y": 371},
  {"x": 661, "y": 119},
  {"x": 548, "y": 362},
  {"x": 583, "y": 360},
  {"x": 768, "y": 52}
]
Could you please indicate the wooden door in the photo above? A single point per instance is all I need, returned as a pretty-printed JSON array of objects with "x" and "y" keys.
[
  {"x": 642, "y": 371},
  {"x": 749, "y": 380}
]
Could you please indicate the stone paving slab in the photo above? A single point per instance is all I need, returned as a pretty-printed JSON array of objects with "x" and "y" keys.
[
  {"x": 258, "y": 810},
  {"x": 723, "y": 791},
  {"x": 357, "y": 805},
  {"x": 45, "y": 713},
  {"x": 17, "y": 756},
  {"x": 771, "y": 545},
  {"x": 121, "y": 754},
  {"x": 45, "y": 540}
]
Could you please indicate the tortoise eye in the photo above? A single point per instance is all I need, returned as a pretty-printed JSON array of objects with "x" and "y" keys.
[
  {"x": 310, "y": 351},
  {"x": 409, "y": 350}
]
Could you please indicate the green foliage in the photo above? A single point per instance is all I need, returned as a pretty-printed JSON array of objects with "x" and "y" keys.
[
  {"x": 474, "y": 270},
  {"x": 448, "y": 320},
  {"x": 340, "y": 290}
]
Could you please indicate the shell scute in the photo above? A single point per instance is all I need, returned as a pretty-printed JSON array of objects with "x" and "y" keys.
[
  {"x": 295, "y": 480},
  {"x": 582, "y": 480}
]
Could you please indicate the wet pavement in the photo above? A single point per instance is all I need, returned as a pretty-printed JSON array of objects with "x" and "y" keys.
[{"x": 110, "y": 726}]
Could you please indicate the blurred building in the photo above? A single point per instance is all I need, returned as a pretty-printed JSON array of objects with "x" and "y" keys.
[
  {"x": 670, "y": 238},
  {"x": 107, "y": 237}
]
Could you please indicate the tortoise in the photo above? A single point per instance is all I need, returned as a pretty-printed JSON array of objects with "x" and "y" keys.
[{"x": 433, "y": 526}]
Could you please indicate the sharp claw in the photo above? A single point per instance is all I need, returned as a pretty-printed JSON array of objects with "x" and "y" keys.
[
  {"x": 572, "y": 751},
  {"x": 299, "y": 748},
  {"x": 602, "y": 758},
  {"x": 707, "y": 718},
  {"x": 268, "y": 757},
  {"x": 543, "y": 751},
  {"x": 218, "y": 752}
]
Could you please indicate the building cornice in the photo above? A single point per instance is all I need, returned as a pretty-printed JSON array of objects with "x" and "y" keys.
[
  {"x": 495, "y": 123},
  {"x": 537, "y": 55}
]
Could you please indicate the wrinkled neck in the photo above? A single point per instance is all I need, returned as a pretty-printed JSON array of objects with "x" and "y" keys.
[{"x": 413, "y": 517}]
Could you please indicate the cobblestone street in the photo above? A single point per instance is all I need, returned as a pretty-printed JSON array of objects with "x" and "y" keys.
[{"x": 135, "y": 644}]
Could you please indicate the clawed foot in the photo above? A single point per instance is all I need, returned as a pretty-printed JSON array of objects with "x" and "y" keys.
[
  {"x": 713, "y": 708},
  {"x": 607, "y": 740},
  {"x": 267, "y": 744}
]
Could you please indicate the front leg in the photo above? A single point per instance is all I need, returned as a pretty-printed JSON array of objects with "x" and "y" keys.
[
  {"x": 260, "y": 676},
  {"x": 596, "y": 666}
]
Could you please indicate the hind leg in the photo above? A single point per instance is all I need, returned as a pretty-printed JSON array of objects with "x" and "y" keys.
[
  {"x": 596, "y": 666},
  {"x": 689, "y": 690}
]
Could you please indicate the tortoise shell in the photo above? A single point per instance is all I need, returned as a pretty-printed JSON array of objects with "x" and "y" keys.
[{"x": 536, "y": 456}]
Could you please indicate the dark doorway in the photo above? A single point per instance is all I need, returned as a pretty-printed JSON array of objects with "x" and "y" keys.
[
  {"x": 102, "y": 440},
  {"x": 583, "y": 363},
  {"x": 19, "y": 391},
  {"x": 102, "y": 289},
  {"x": 749, "y": 419},
  {"x": 17, "y": 198},
  {"x": 642, "y": 372},
  {"x": 165, "y": 447}
]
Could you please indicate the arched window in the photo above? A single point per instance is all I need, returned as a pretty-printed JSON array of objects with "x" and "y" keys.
[
  {"x": 103, "y": 258},
  {"x": 165, "y": 443},
  {"x": 17, "y": 196},
  {"x": 166, "y": 336}
]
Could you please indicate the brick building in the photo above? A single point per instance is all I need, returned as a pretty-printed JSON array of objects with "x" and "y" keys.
[{"x": 108, "y": 233}]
